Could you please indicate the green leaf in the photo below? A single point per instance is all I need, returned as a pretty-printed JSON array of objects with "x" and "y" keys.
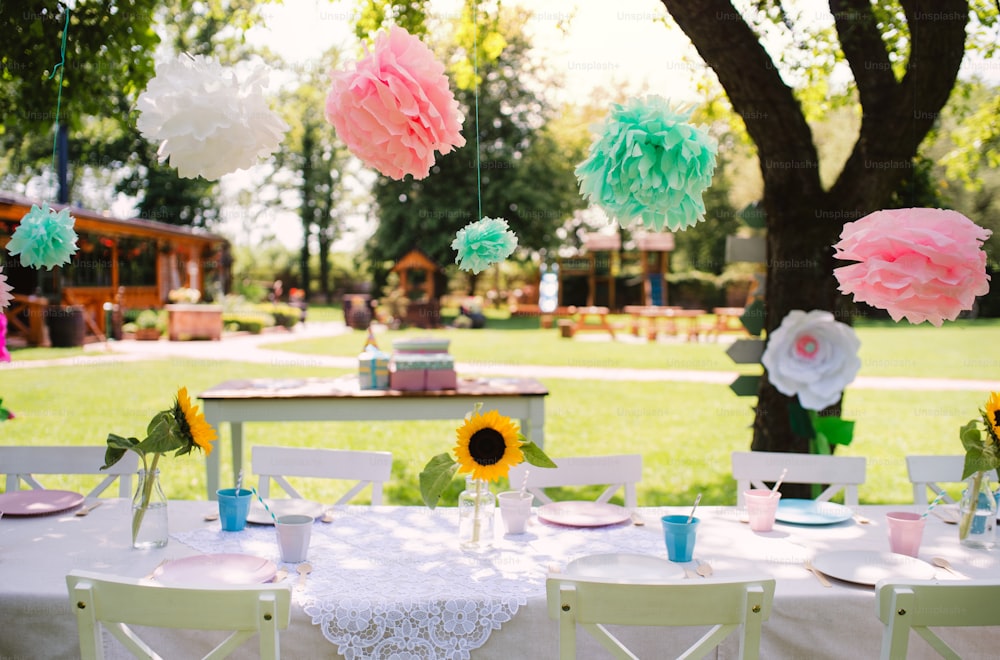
[
  {"x": 117, "y": 446},
  {"x": 163, "y": 434},
  {"x": 799, "y": 420},
  {"x": 836, "y": 430},
  {"x": 971, "y": 436},
  {"x": 534, "y": 455},
  {"x": 435, "y": 477}
]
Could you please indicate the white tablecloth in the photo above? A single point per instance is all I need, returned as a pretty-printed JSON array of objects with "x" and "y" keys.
[{"x": 392, "y": 580}]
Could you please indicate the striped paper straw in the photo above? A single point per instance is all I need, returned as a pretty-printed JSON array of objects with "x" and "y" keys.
[
  {"x": 264, "y": 504},
  {"x": 934, "y": 503}
]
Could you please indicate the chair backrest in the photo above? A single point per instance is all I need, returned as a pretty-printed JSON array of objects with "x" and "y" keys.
[
  {"x": 116, "y": 603},
  {"x": 21, "y": 464},
  {"x": 621, "y": 471},
  {"x": 753, "y": 468},
  {"x": 926, "y": 472},
  {"x": 727, "y": 605},
  {"x": 918, "y": 605},
  {"x": 366, "y": 467}
]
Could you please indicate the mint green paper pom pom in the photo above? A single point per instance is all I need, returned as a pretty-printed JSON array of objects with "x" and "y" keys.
[
  {"x": 483, "y": 243},
  {"x": 651, "y": 164},
  {"x": 44, "y": 238}
]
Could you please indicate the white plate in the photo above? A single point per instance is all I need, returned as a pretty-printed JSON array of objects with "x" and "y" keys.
[
  {"x": 285, "y": 507},
  {"x": 624, "y": 566},
  {"x": 811, "y": 512},
  {"x": 38, "y": 502},
  {"x": 223, "y": 570},
  {"x": 868, "y": 567},
  {"x": 583, "y": 514}
]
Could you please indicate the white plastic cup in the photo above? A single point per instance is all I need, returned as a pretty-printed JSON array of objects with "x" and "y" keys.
[
  {"x": 762, "y": 505},
  {"x": 515, "y": 509},
  {"x": 293, "y": 532}
]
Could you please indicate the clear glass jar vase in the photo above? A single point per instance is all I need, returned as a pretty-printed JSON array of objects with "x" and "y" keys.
[
  {"x": 476, "y": 512},
  {"x": 977, "y": 513},
  {"x": 149, "y": 512}
]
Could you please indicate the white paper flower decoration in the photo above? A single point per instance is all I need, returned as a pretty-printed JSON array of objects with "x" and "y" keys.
[
  {"x": 5, "y": 290},
  {"x": 813, "y": 356},
  {"x": 208, "y": 120}
]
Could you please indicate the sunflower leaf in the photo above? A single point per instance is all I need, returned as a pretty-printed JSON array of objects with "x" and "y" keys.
[
  {"x": 534, "y": 455},
  {"x": 435, "y": 477},
  {"x": 117, "y": 446}
]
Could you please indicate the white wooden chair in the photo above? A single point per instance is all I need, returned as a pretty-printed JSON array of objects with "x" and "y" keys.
[
  {"x": 926, "y": 472},
  {"x": 116, "y": 603},
  {"x": 617, "y": 472},
  {"x": 728, "y": 606},
  {"x": 366, "y": 467},
  {"x": 20, "y": 465},
  {"x": 842, "y": 473},
  {"x": 919, "y": 605}
]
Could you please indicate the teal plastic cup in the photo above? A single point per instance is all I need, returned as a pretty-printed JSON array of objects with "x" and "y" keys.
[
  {"x": 679, "y": 535},
  {"x": 233, "y": 508}
]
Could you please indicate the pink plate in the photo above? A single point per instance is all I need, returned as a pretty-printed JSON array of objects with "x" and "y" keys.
[
  {"x": 583, "y": 514},
  {"x": 38, "y": 502},
  {"x": 221, "y": 570}
]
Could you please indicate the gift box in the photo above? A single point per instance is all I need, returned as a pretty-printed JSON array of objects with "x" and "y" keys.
[
  {"x": 422, "y": 371},
  {"x": 373, "y": 370}
]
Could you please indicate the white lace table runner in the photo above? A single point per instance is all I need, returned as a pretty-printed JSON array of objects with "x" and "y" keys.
[{"x": 391, "y": 582}]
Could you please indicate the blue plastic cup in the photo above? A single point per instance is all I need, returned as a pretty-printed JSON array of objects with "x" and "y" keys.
[
  {"x": 233, "y": 508},
  {"x": 679, "y": 535}
]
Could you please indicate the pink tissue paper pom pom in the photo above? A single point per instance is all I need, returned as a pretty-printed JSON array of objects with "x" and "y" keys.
[
  {"x": 921, "y": 264},
  {"x": 395, "y": 108}
]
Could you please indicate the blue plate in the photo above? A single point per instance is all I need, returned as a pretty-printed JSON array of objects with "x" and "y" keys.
[{"x": 811, "y": 512}]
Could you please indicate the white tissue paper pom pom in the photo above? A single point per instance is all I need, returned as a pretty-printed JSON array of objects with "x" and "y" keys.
[{"x": 208, "y": 120}]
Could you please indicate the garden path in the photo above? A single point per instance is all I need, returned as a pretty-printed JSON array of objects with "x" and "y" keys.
[{"x": 253, "y": 348}]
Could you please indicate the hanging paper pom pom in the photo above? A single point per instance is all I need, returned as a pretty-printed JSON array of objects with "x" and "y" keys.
[
  {"x": 44, "y": 238},
  {"x": 207, "y": 120},
  {"x": 649, "y": 163},
  {"x": 5, "y": 290},
  {"x": 4, "y": 357},
  {"x": 922, "y": 264},
  {"x": 482, "y": 244},
  {"x": 395, "y": 108}
]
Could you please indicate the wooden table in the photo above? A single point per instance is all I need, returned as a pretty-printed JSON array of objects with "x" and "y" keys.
[
  {"x": 663, "y": 319},
  {"x": 592, "y": 318},
  {"x": 342, "y": 399}
]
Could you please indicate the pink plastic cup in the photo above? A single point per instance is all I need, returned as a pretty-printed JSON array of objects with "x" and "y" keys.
[
  {"x": 762, "y": 504},
  {"x": 906, "y": 530}
]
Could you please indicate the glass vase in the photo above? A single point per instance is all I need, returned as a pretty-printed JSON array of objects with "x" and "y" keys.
[
  {"x": 476, "y": 508},
  {"x": 149, "y": 512},
  {"x": 977, "y": 513}
]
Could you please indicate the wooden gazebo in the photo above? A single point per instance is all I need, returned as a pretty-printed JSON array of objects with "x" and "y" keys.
[
  {"x": 418, "y": 277},
  {"x": 132, "y": 262}
]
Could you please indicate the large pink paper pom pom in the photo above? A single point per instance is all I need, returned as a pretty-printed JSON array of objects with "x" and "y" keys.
[
  {"x": 921, "y": 264},
  {"x": 395, "y": 109}
]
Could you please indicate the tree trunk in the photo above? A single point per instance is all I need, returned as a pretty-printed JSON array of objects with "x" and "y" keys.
[{"x": 803, "y": 220}]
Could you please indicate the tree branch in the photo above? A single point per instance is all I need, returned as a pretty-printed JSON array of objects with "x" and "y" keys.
[
  {"x": 861, "y": 41},
  {"x": 892, "y": 128},
  {"x": 769, "y": 109}
]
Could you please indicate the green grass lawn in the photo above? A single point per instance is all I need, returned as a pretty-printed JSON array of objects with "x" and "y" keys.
[{"x": 685, "y": 432}]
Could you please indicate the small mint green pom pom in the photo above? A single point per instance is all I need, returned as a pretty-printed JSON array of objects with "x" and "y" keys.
[
  {"x": 483, "y": 243},
  {"x": 649, "y": 163},
  {"x": 44, "y": 238}
]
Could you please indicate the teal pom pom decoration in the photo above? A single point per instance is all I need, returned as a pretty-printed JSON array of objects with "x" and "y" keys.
[
  {"x": 483, "y": 243},
  {"x": 44, "y": 238},
  {"x": 651, "y": 164}
]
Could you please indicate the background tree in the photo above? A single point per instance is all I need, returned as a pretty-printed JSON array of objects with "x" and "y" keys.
[{"x": 904, "y": 59}]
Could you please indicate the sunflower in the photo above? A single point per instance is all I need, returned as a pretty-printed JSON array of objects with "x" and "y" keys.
[
  {"x": 488, "y": 445},
  {"x": 194, "y": 428},
  {"x": 992, "y": 417}
]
